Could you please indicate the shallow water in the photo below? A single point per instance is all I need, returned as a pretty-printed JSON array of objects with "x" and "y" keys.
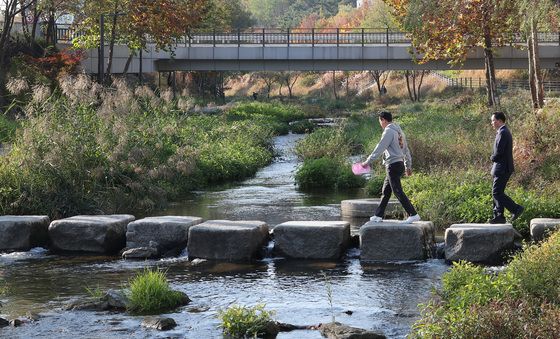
[{"x": 382, "y": 297}]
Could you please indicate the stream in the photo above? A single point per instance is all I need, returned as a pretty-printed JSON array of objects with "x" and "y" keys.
[{"x": 371, "y": 296}]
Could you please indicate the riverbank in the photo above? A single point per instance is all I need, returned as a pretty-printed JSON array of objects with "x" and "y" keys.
[{"x": 122, "y": 150}]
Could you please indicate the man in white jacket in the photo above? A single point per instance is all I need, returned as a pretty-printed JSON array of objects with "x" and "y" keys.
[{"x": 397, "y": 161}]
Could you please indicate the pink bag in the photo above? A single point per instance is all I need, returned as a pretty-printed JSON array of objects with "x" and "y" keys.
[{"x": 358, "y": 169}]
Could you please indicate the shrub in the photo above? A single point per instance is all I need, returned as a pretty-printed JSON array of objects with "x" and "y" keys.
[
  {"x": 245, "y": 322},
  {"x": 522, "y": 301},
  {"x": 327, "y": 173},
  {"x": 323, "y": 142},
  {"x": 302, "y": 126},
  {"x": 150, "y": 293},
  {"x": 374, "y": 186},
  {"x": 7, "y": 129}
]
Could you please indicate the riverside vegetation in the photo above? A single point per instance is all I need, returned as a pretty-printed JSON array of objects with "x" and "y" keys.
[
  {"x": 88, "y": 149},
  {"x": 522, "y": 301},
  {"x": 451, "y": 139}
]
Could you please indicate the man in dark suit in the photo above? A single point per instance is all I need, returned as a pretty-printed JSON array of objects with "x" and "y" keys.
[{"x": 502, "y": 168}]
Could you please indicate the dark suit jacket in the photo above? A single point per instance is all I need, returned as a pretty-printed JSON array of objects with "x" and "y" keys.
[{"x": 502, "y": 155}]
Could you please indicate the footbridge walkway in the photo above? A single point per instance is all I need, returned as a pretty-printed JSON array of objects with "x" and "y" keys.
[{"x": 304, "y": 50}]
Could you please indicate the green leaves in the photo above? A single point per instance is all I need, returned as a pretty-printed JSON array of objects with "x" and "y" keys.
[{"x": 244, "y": 321}]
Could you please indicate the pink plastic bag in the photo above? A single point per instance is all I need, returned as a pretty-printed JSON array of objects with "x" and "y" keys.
[{"x": 358, "y": 169}]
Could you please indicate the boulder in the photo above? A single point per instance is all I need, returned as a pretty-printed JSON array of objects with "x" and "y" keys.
[
  {"x": 541, "y": 226},
  {"x": 365, "y": 208},
  {"x": 478, "y": 243},
  {"x": 312, "y": 239},
  {"x": 23, "y": 232},
  {"x": 90, "y": 233},
  {"x": 336, "y": 330},
  {"x": 392, "y": 240},
  {"x": 4, "y": 322},
  {"x": 140, "y": 253},
  {"x": 159, "y": 323},
  {"x": 227, "y": 240},
  {"x": 169, "y": 232}
]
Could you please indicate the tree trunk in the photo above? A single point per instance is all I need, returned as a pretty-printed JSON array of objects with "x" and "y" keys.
[
  {"x": 4, "y": 54},
  {"x": 51, "y": 29},
  {"x": 128, "y": 62},
  {"x": 537, "y": 67},
  {"x": 112, "y": 41},
  {"x": 490, "y": 70},
  {"x": 422, "y": 73},
  {"x": 334, "y": 84},
  {"x": 377, "y": 77},
  {"x": 407, "y": 76},
  {"x": 532, "y": 86}
]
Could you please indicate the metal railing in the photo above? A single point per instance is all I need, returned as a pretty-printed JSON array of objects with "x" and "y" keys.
[
  {"x": 472, "y": 83},
  {"x": 300, "y": 36}
]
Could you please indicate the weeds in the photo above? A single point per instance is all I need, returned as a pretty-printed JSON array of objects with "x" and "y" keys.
[
  {"x": 149, "y": 293},
  {"x": 245, "y": 322}
]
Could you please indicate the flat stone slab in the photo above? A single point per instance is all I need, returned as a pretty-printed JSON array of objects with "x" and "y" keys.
[
  {"x": 23, "y": 232},
  {"x": 541, "y": 226},
  {"x": 312, "y": 239},
  {"x": 391, "y": 240},
  {"x": 227, "y": 240},
  {"x": 365, "y": 208},
  {"x": 90, "y": 233},
  {"x": 478, "y": 243},
  {"x": 169, "y": 232}
]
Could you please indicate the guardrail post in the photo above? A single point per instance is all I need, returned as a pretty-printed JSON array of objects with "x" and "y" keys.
[
  {"x": 263, "y": 42},
  {"x": 312, "y": 37},
  {"x": 387, "y": 36},
  {"x": 337, "y": 37},
  {"x": 239, "y": 37},
  {"x": 288, "y": 38},
  {"x": 214, "y": 37},
  {"x": 362, "y": 37}
]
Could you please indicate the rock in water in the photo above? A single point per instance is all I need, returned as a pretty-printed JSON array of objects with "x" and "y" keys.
[{"x": 159, "y": 323}]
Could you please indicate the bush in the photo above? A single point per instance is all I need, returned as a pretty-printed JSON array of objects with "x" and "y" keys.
[
  {"x": 522, "y": 301},
  {"x": 302, "y": 126},
  {"x": 323, "y": 142},
  {"x": 7, "y": 129},
  {"x": 150, "y": 293},
  {"x": 245, "y": 322},
  {"x": 327, "y": 173},
  {"x": 374, "y": 186}
]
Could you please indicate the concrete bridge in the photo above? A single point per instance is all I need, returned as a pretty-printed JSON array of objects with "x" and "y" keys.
[{"x": 307, "y": 50}]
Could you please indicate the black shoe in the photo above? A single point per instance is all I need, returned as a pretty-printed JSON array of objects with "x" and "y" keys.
[
  {"x": 518, "y": 213},
  {"x": 497, "y": 220}
]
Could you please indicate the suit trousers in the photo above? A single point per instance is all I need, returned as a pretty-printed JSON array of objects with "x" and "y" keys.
[
  {"x": 392, "y": 184},
  {"x": 501, "y": 199}
]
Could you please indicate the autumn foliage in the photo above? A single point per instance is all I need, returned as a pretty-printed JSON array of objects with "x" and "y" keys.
[{"x": 58, "y": 63}]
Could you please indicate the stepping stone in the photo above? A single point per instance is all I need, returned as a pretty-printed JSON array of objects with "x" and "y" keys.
[
  {"x": 227, "y": 240},
  {"x": 169, "y": 232},
  {"x": 23, "y": 232},
  {"x": 90, "y": 233},
  {"x": 541, "y": 226},
  {"x": 312, "y": 239},
  {"x": 365, "y": 208},
  {"x": 391, "y": 240},
  {"x": 478, "y": 243}
]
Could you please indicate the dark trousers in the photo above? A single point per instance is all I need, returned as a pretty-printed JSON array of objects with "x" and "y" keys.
[
  {"x": 392, "y": 184},
  {"x": 501, "y": 200}
]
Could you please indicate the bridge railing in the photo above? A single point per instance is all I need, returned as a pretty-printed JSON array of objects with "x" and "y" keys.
[{"x": 301, "y": 36}]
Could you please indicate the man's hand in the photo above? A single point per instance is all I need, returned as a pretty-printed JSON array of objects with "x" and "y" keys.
[
  {"x": 364, "y": 164},
  {"x": 408, "y": 172}
]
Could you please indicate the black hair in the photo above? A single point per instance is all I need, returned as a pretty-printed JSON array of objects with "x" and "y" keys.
[
  {"x": 499, "y": 116},
  {"x": 385, "y": 115}
]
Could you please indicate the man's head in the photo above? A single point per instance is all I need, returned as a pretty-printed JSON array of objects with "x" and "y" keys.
[
  {"x": 498, "y": 119},
  {"x": 385, "y": 118}
]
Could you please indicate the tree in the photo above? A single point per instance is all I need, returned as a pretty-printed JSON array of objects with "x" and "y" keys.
[
  {"x": 414, "y": 81},
  {"x": 380, "y": 77},
  {"x": 536, "y": 14},
  {"x": 11, "y": 9},
  {"x": 289, "y": 79},
  {"x": 448, "y": 29},
  {"x": 269, "y": 78}
]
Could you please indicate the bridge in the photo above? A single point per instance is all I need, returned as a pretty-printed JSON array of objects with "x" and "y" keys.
[{"x": 306, "y": 50}]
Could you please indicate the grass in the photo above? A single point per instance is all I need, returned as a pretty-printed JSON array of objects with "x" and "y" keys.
[
  {"x": 522, "y": 301},
  {"x": 149, "y": 293},
  {"x": 86, "y": 149},
  {"x": 244, "y": 321}
]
